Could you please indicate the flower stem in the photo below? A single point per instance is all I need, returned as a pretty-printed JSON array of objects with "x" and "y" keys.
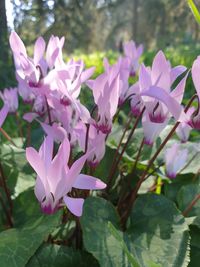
[
  {"x": 4, "y": 184},
  {"x": 19, "y": 125},
  {"x": 8, "y": 215},
  {"x": 112, "y": 172},
  {"x": 7, "y": 136},
  {"x": 191, "y": 205},
  {"x": 87, "y": 137},
  {"x": 138, "y": 156},
  {"x": 48, "y": 111}
]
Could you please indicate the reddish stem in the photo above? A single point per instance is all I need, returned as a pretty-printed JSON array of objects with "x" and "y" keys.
[
  {"x": 112, "y": 172},
  {"x": 7, "y": 137},
  {"x": 191, "y": 205}
]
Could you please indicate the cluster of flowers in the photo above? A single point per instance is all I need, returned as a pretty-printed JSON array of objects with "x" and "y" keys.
[{"x": 52, "y": 88}]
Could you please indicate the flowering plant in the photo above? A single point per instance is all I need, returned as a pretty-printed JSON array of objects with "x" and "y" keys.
[{"x": 103, "y": 179}]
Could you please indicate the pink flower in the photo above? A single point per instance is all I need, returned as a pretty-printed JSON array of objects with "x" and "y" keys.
[
  {"x": 155, "y": 90},
  {"x": 184, "y": 129},
  {"x": 10, "y": 98},
  {"x": 106, "y": 90},
  {"x": 55, "y": 179},
  {"x": 133, "y": 54},
  {"x": 32, "y": 73},
  {"x": 175, "y": 160},
  {"x": 96, "y": 143},
  {"x": 152, "y": 129}
]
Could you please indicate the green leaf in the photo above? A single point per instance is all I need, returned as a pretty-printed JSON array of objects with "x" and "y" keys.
[
  {"x": 159, "y": 232},
  {"x": 194, "y": 10},
  {"x": 118, "y": 238},
  {"x": 186, "y": 195},
  {"x": 18, "y": 245},
  {"x": 60, "y": 256},
  {"x": 195, "y": 247},
  {"x": 97, "y": 236},
  {"x": 113, "y": 248}
]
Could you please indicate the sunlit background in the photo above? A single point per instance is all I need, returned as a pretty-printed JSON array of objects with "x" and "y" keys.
[{"x": 99, "y": 25}]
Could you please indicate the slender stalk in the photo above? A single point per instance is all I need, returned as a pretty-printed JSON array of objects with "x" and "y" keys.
[
  {"x": 19, "y": 124},
  {"x": 120, "y": 142},
  {"x": 28, "y": 138},
  {"x": 138, "y": 156},
  {"x": 4, "y": 184},
  {"x": 7, "y": 136},
  {"x": 191, "y": 205},
  {"x": 48, "y": 111},
  {"x": 112, "y": 172},
  {"x": 151, "y": 161},
  {"x": 8, "y": 216},
  {"x": 189, "y": 162},
  {"x": 87, "y": 137},
  {"x": 122, "y": 137},
  {"x": 123, "y": 195}
]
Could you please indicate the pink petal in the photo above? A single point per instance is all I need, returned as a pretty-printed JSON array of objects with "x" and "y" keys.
[
  {"x": 178, "y": 92},
  {"x": 46, "y": 151},
  {"x": 176, "y": 71},
  {"x": 87, "y": 74},
  {"x": 75, "y": 205},
  {"x": 88, "y": 182},
  {"x": 59, "y": 161},
  {"x": 35, "y": 161},
  {"x": 39, "y": 189},
  {"x": 16, "y": 44},
  {"x": 161, "y": 71},
  {"x": 196, "y": 75},
  {"x": 30, "y": 116},
  {"x": 75, "y": 170},
  {"x": 39, "y": 50},
  {"x": 144, "y": 78},
  {"x": 3, "y": 114},
  {"x": 160, "y": 94}
]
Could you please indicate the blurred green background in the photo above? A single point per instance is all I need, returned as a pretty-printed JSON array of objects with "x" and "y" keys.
[{"x": 97, "y": 28}]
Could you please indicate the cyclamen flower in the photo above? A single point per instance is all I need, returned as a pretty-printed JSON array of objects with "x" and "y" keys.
[
  {"x": 184, "y": 129},
  {"x": 133, "y": 53},
  {"x": 10, "y": 98},
  {"x": 175, "y": 160},
  {"x": 96, "y": 143},
  {"x": 151, "y": 129},
  {"x": 33, "y": 72},
  {"x": 55, "y": 179},
  {"x": 154, "y": 90},
  {"x": 106, "y": 90}
]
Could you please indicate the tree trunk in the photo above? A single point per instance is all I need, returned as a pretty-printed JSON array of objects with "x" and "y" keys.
[{"x": 3, "y": 33}]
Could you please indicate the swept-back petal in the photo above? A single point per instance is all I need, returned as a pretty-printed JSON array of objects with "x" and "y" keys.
[
  {"x": 172, "y": 105},
  {"x": 88, "y": 182},
  {"x": 144, "y": 78},
  {"x": 196, "y": 75},
  {"x": 39, "y": 50},
  {"x": 178, "y": 92},
  {"x": 160, "y": 74},
  {"x": 35, "y": 161},
  {"x": 16, "y": 44},
  {"x": 46, "y": 151},
  {"x": 75, "y": 205},
  {"x": 75, "y": 170},
  {"x": 3, "y": 114}
]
